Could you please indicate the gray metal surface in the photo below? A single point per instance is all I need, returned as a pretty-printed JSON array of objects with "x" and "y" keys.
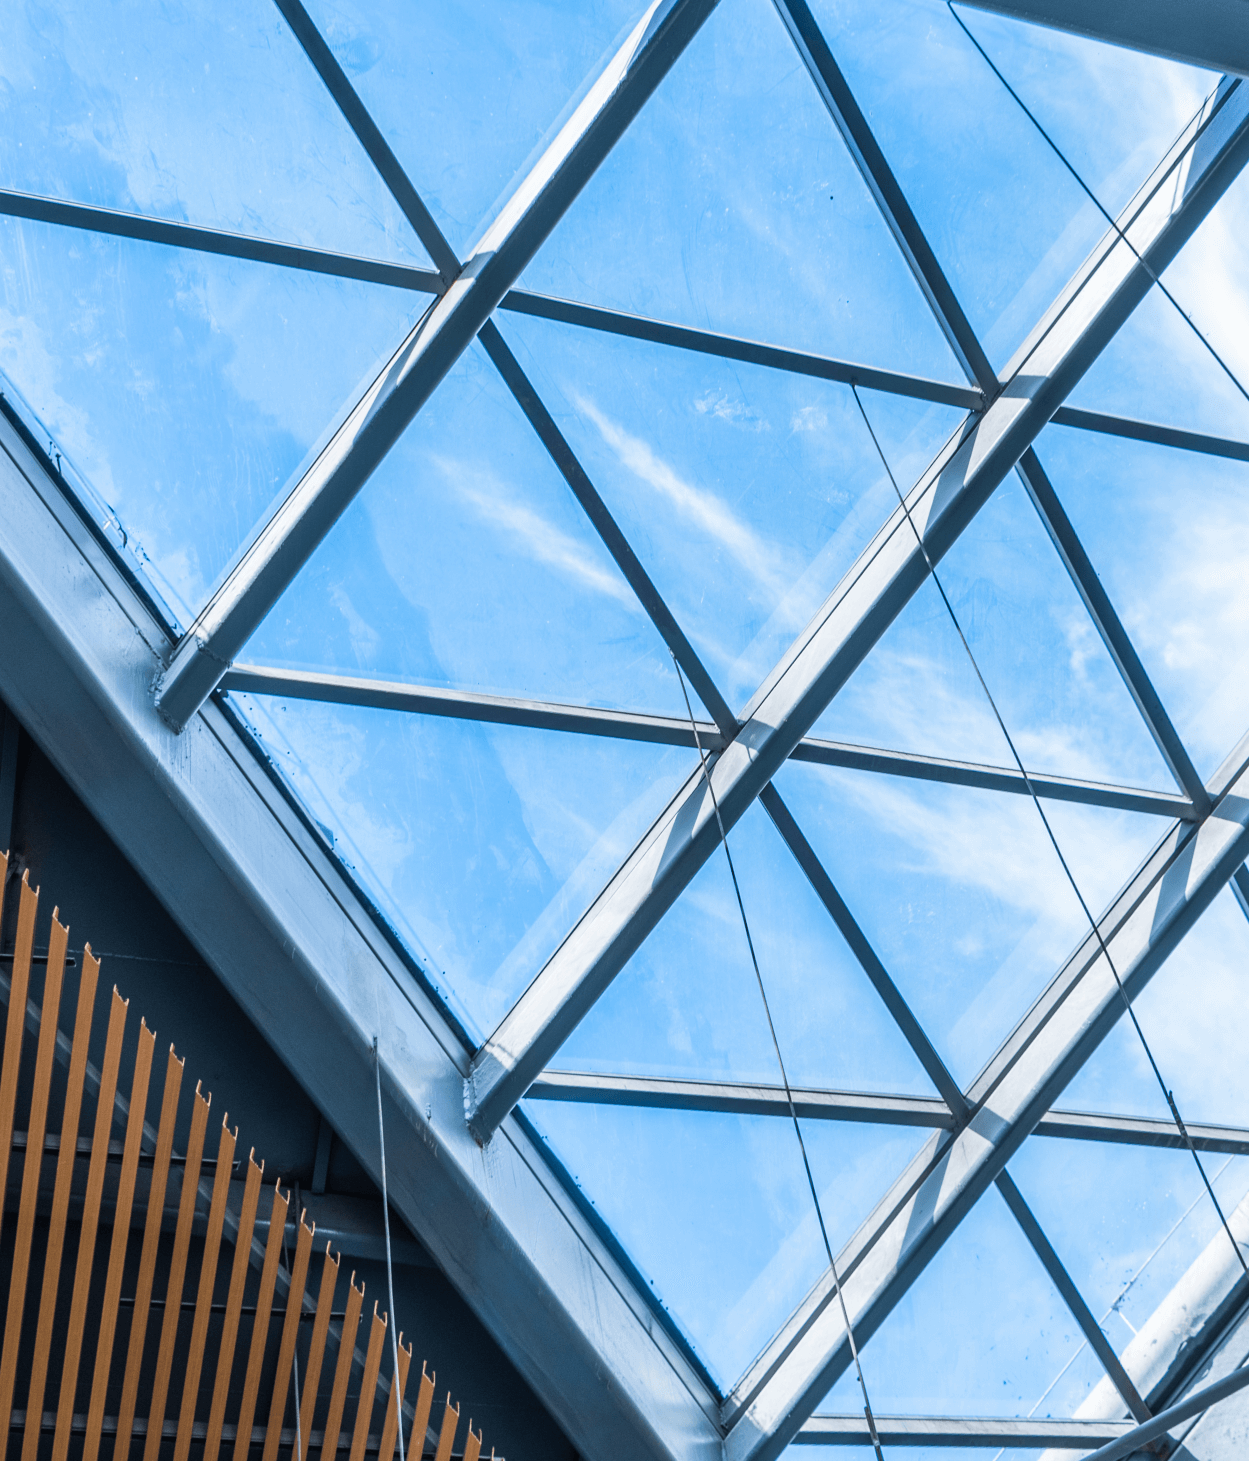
[
  {"x": 1210, "y": 33},
  {"x": 1078, "y": 325},
  {"x": 1175, "y": 885},
  {"x": 314, "y": 504},
  {"x": 273, "y": 914}
]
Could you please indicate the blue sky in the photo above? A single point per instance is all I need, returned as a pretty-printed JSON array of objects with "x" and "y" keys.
[{"x": 189, "y": 391}]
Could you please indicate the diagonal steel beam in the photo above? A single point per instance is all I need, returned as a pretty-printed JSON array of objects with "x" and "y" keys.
[
  {"x": 1157, "y": 908},
  {"x": 1104, "y": 291},
  {"x": 1114, "y": 636},
  {"x": 837, "y": 97},
  {"x": 1152, "y": 431},
  {"x": 314, "y": 504}
]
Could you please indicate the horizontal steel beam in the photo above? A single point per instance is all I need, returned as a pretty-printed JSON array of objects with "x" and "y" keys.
[
  {"x": 1152, "y": 431},
  {"x": 664, "y": 730},
  {"x": 731, "y": 347},
  {"x": 1015, "y": 1092},
  {"x": 1085, "y": 317},
  {"x": 962, "y": 1431},
  {"x": 216, "y": 241},
  {"x": 275, "y": 916},
  {"x": 758, "y": 1099},
  {"x": 312, "y": 507},
  {"x": 1209, "y": 33}
]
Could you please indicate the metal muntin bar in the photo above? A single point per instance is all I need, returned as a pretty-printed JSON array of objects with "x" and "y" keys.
[
  {"x": 839, "y": 101},
  {"x": 674, "y": 731},
  {"x": 1173, "y": 888},
  {"x": 1122, "y": 651},
  {"x": 970, "y": 1431},
  {"x": 1086, "y": 316},
  {"x": 215, "y": 241},
  {"x": 315, "y": 502},
  {"x": 1072, "y": 1296}
]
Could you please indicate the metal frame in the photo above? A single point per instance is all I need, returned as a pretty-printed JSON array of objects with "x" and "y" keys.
[{"x": 553, "y": 1285}]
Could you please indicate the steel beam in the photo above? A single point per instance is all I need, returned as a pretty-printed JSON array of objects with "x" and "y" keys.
[
  {"x": 1209, "y": 33},
  {"x": 1152, "y": 431},
  {"x": 839, "y": 101},
  {"x": 215, "y": 241},
  {"x": 665, "y": 730},
  {"x": 962, "y": 1431},
  {"x": 1104, "y": 291},
  {"x": 227, "y": 851},
  {"x": 756, "y": 1099},
  {"x": 1114, "y": 636},
  {"x": 732, "y": 347},
  {"x": 1240, "y": 887},
  {"x": 291, "y": 535},
  {"x": 1017, "y": 1088}
]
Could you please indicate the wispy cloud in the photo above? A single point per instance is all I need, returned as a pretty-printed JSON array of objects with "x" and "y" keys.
[
  {"x": 704, "y": 509},
  {"x": 532, "y": 533}
]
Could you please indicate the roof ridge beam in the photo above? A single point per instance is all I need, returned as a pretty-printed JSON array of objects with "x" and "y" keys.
[{"x": 1087, "y": 313}]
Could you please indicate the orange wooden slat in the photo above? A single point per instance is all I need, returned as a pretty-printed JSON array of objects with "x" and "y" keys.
[
  {"x": 204, "y": 1296},
  {"x": 260, "y": 1326},
  {"x": 121, "y": 1234},
  {"x": 177, "y": 1276},
  {"x": 420, "y": 1421},
  {"x": 290, "y": 1333},
  {"x": 472, "y": 1443},
  {"x": 368, "y": 1386},
  {"x": 342, "y": 1372},
  {"x": 15, "y": 1026},
  {"x": 234, "y": 1306},
  {"x": 88, "y": 1227},
  {"x": 394, "y": 1405},
  {"x": 316, "y": 1352},
  {"x": 446, "y": 1436},
  {"x": 36, "y": 1129},
  {"x": 74, "y": 1083},
  {"x": 147, "y": 1257}
]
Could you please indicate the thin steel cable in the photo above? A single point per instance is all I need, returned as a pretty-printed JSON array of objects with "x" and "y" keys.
[
  {"x": 1036, "y": 801},
  {"x": 390, "y": 1268},
  {"x": 1093, "y": 198},
  {"x": 776, "y": 1046}
]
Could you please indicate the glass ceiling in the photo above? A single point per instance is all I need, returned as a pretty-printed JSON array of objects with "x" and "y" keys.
[{"x": 682, "y": 429}]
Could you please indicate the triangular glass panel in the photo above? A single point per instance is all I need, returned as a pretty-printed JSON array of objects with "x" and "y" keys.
[
  {"x": 481, "y": 844},
  {"x": 732, "y": 204},
  {"x": 1192, "y": 1014},
  {"x": 746, "y": 492},
  {"x": 688, "y": 1003},
  {"x": 1127, "y": 1221},
  {"x": 716, "y": 1209},
  {"x": 1007, "y": 221},
  {"x": 1064, "y": 703},
  {"x": 1114, "y": 112},
  {"x": 960, "y": 891},
  {"x": 469, "y": 94},
  {"x": 185, "y": 387},
  {"x": 466, "y": 562},
  {"x": 982, "y": 1331},
  {"x": 1163, "y": 530},
  {"x": 196, "y": 114}
]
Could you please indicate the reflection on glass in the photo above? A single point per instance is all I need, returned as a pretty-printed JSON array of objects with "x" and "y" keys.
[
  {"x": 1007, "y": 221},
  {"x": 746, "y": 492},
  {"x": 1192, "y": 1013},
  {"x": 482, "y": 845},
  {"x": 467, "y": 94},
  {"x": 1127, "y": 1222},
  {"x": 960, "y": 891},
  {"x": 688, "y": 1003},
  {"x": 186, "y": 387},
  {"x": 1167, "y": 532},
  {"x": 200, "y": 113},
  {"x": 982, "y": 1331},
  {"x": 717, "y": 1212},
  {"x": 732, "y": 204},
  {"x": 467, "y": 562}
]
